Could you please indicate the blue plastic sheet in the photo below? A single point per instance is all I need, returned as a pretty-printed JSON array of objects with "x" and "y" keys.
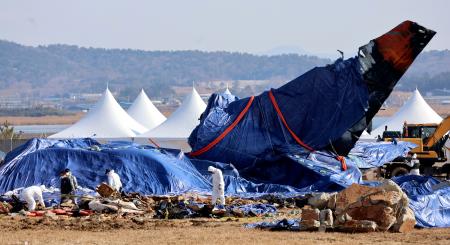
[
  {"x": 256, "y": 209},
  {"x": 327, "y": 108},
  {"x": 284, "y": 163},
  {"x": 376, "y": 154},
  {"x": 142, "y": 169},
  {"x": 429, "y": 198},
  {"x": 161, "y": 171},
  {"x": 261, "y": 134}
]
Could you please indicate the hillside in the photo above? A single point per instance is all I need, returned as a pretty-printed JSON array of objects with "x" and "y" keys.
[{"x": 57, "y": 70}]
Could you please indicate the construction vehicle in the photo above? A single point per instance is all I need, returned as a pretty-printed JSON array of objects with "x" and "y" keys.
[{"x": 432, "y": 150}]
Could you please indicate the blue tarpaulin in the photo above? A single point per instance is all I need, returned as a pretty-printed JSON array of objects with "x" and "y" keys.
[
  {"x": 376, "y": 154},
  {"x": 256, "y": 209},
  {"x": 142, "y": 169},
  {"x": 429, "y": 198},
  {"x": 322, "y": 112},
  {"x": 261, "y": 137},
  {"x": 160, "y": 171}
]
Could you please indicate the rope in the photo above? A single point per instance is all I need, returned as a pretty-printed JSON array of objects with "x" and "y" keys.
[
  {"x": 239, "y": 118},
  {"x": 226, "y": 132},
  {"x": 154, "y": 143},
  {"x": 296, "y": 138},
  {"x": 280, "y": 115}
]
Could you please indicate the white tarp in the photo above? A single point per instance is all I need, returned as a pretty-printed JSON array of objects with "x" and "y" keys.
[
  {"x": 415, "y": 110},
  {"x": 182, "y": 121},
  {"x": 107, "y": 119},
  {"x": 144, "y": 112}
]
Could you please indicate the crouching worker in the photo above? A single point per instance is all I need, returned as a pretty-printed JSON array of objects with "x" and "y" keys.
[
  {"x": 114, "y": 180},
  {"x": 69, "y": 185},
  {"x": 218, "y": 185},
  {"x": 31, "y": 194}
]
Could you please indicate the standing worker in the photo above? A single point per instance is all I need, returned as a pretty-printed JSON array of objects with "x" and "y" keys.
[
  {"x": 69, "y": 185},
  {"x": 218, "y": 185},
  {"x": 415, "y": 165},
  {"x": 114, "y": 180},
  {"x": 31, "y": 194}
]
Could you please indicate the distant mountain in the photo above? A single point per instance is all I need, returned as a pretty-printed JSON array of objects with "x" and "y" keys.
[
  {"x": 59, "y": 69},
  {"x": 293, "y": 49},
  {"x": 430, "y": 72},
  {"x": 62, "y": 69}
]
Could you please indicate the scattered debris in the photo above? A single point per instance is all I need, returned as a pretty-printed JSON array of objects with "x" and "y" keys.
[{"x": 358, "y": 209}]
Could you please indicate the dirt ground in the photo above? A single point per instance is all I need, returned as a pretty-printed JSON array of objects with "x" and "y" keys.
[{"x": 98, "y": 230}]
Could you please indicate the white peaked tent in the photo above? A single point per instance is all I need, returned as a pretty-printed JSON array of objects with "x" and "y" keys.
[
  {"x": 105, "y": 120},
  {"x": 415, "y": 110},
  {"x": 182, "y": 121},
  {"x": 144, "y": 112},
  {"x": 227, "y": 91}
]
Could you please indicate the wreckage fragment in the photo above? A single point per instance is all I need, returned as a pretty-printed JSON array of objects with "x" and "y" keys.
[{"x": 324, "y": 111}]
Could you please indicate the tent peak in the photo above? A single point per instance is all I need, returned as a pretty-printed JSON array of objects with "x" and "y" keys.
[
  {"x": 227, "y": 91},
  {"x": 145, "y": 112}
]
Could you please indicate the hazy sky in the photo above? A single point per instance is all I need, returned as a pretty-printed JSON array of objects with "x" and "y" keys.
[{"x": 254, "y": 26}]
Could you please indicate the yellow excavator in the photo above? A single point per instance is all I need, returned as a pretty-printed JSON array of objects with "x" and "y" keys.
[{"x": 431, "y": 150}]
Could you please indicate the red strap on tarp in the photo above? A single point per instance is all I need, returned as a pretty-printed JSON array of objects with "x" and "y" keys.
[
  {"x": 154, "y": 143},
  {"x": 343, "y": 163},
  {"x": 296, "y": 138},
  {"x": 226, "y": 132},
  {"x": 280, "y": 115}
]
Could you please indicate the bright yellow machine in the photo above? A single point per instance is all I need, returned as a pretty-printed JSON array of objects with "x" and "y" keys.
[{"x": 431, "y": 149}]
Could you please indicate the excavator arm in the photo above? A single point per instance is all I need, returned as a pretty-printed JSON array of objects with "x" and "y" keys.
[{"x": 440, "y": 131}]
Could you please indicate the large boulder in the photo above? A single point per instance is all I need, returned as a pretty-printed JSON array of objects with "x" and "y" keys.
[
  {"x": 406, "y": 221},
  {"x": 358, "y": 226},
  {"x": 386, "y": 205}
]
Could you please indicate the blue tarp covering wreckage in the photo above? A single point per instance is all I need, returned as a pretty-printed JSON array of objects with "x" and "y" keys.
[
  {"x": 294, "y": 139},
  {"x": 429, "y": 198},
  {"x": 164, "y": 170}
]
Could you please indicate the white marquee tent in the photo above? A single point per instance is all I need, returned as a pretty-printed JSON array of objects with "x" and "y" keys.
[
  {"x": 105, "y": 120},
  {"x": 144, "y": 112},
  {"x": 182, "y": 121},
  {"x": 415, "y": 110}
]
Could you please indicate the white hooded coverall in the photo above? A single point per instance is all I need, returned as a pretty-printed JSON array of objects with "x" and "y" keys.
[
  {"x": 32, "y": 193},
  {"x": 218, "y": 185},
  {"x": 416, "y": 163},
  {"x": 114, "y": 180},
  {"x": 447, "y": 148}
]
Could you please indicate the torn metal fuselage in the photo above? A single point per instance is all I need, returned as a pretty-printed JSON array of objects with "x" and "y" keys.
[{"x": 383, "y": 61}]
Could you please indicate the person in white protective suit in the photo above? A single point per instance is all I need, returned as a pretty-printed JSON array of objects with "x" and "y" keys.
[
  {"x": 415, "y": 165},
  {"x": 447, "y": 149},
  {"x": 31, "y": 194},
  {"x": 218, "y": 185},
  {"x": 114, "y": 180}
]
